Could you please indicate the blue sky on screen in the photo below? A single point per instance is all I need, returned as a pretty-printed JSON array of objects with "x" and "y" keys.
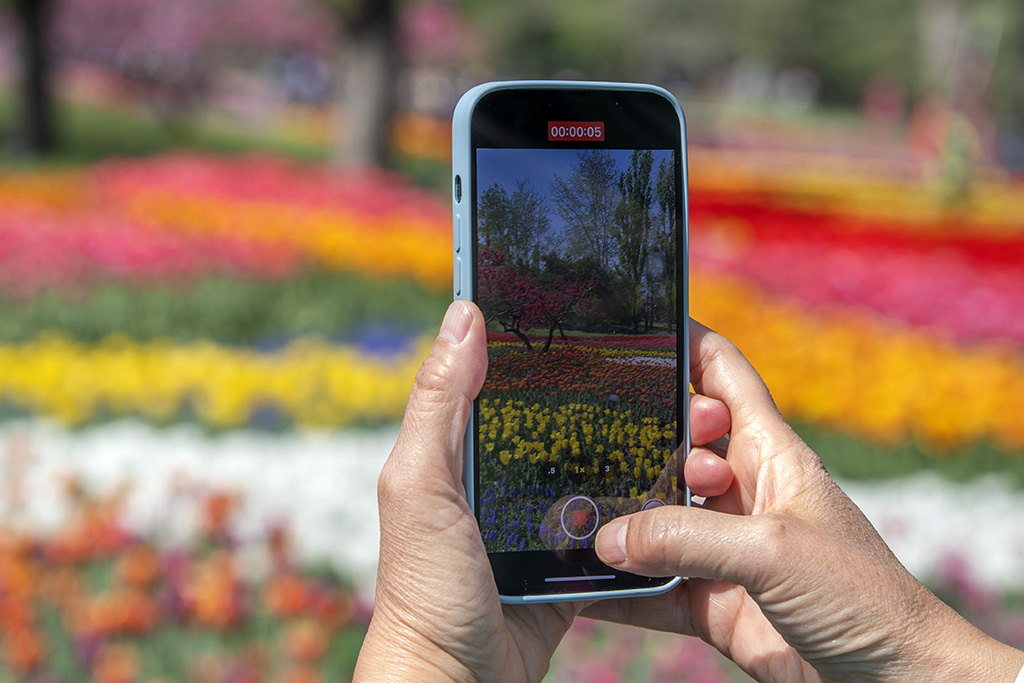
[{"x": 540, "y": 166}]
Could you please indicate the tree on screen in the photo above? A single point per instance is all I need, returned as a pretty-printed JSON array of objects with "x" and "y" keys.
[
  {"x": 665, "y": 239},
  {"x": 520, "y": 299},
  {"x": 585, "y": 201},
  {"x": 632, "y": 229},
  {"x": 514, "y": 223}
]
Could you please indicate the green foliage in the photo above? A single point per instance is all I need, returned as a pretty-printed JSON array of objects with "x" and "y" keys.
[
  {"x": 227, "y": 309},
  {"x": 632, "y": 226},
  {"x": 516, "y": 222},
  {"x": 585, "y": 201},
  {"x": 844, "y": 43},
  {"x": 850, "y": 457},
  {"x": 613, "y": 307},
  {"x": 854, "y": 42},
  {"x": 665, "y": 241}
]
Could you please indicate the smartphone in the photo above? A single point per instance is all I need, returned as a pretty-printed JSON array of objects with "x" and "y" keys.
[{"x": 570, "y": 234}]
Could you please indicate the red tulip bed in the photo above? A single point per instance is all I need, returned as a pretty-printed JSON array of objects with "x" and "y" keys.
[{"x": 253, "y": 293}]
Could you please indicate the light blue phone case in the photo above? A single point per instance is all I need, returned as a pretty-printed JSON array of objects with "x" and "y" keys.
[{"x": 462, "y": 193}]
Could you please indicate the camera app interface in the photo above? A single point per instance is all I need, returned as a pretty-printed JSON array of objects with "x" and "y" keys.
[{"x": 577, "y": 278}]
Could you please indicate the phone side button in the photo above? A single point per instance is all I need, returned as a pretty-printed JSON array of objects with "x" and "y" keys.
[
  {"x": 457, "y": 236},
  {"x": 458, "y": 276}
]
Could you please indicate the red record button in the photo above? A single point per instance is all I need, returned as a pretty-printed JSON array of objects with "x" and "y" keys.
[{"x": 576, "y": 131}]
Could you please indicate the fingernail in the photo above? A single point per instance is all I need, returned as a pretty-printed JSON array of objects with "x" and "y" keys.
[
  {"x": 611, "y": 542},
  {"x": 456, "y": 322}
]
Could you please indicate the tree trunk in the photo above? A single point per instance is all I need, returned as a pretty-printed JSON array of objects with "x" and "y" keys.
[
  {"x": 514, "y": 329},
  {"x": 939, "y": 25},
  {"x": 369, "y": 69},
  {"x": 35, "y": 134},
  {"x": 551, "y": 337}
]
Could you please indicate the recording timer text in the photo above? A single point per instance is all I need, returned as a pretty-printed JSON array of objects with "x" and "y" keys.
[{"x": 576, "y": 131}]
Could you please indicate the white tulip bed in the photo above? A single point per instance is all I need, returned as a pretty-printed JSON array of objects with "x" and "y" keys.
[{"x": 323, "y": 486}]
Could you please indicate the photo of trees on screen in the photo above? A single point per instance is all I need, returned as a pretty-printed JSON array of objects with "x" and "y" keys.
[
  {"x": 577, "y": 279},
  {"x": 589, "y": 246}
]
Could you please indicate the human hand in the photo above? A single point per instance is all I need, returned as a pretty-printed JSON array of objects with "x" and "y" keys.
[
  {"x": 788, "y": 578},
  {"x": 437, "y": 614}
]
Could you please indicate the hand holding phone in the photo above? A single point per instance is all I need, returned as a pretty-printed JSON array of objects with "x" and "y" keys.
[
  {"x": 798, "y": 577},
  {"x": 569, "y": 207}
]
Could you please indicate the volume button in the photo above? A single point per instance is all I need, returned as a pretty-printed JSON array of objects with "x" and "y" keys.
[
  {"x": 458, "y": 276},
  {"x": 457, "y": 233}
]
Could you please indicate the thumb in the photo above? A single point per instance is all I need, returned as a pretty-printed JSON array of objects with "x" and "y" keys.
[
  {"x": 430, "y": 440},
  {"x": 750, "y": 551}
]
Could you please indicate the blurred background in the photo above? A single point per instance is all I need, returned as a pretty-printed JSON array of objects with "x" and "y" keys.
[{"x": 225, "y": 246}]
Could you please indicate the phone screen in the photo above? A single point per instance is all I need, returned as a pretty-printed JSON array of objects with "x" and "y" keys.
[{"x": 578, "y": 242}]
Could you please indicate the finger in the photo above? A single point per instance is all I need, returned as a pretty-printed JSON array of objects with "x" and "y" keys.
[
  {"x": 718, "y": 370},
  {"x": 686, "y": 609},
  {"x": 758, "y": 433},
  {"x": 709, "y": 419},
  {"x": 664, "y": 612},
  {"x": 430, "y": 441},
  {"x": 707, "y": 474},
  {"x": 701, "y": 543}
]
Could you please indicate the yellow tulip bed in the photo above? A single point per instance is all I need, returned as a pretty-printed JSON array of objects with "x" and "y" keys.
[{"x": 309, "y": 382}]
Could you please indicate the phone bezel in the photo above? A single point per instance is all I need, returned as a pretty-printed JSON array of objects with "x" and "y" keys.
[{"x": 575, "y": 99}]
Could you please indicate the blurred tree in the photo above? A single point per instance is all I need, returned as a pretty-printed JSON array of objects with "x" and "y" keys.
[
  {"x": 1008, "y": 86},
  {"x": 853, "y": 43},
  {"x": 166, "y": 52},
  {"x": 698, "y": 42},
  {"x": 35, "y": 129},
  {"x": 163, "y": 49},
  {"x": 368, "y": 67}
]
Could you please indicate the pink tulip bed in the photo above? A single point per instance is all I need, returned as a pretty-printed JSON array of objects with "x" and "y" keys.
[{"x": 263, "y": 295}]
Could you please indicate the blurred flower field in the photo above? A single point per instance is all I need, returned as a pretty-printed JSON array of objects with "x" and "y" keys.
[
  {"x": 95, "y": 601},
  {"x": 887, "y": 318},
  {"x": 259, "y": 296},
  {"x": 223, "y": 291}
]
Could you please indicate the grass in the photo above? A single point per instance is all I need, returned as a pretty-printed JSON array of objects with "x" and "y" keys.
[
  {"x": 850, "y": 457},
  {"x": 88, "y": 133},
  {"x": 228, "y": 309}
]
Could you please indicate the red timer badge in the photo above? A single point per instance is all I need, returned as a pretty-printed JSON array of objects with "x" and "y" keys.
[{"x": 576, "y": 131}]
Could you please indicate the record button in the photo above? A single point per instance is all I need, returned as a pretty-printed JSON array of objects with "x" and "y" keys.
[{"x": 579, "y": 518}]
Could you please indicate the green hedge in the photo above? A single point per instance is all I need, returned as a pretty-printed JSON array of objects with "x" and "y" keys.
[
  {"x": 850, "y": 457},
  {"x": 228, "y": 310}
]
